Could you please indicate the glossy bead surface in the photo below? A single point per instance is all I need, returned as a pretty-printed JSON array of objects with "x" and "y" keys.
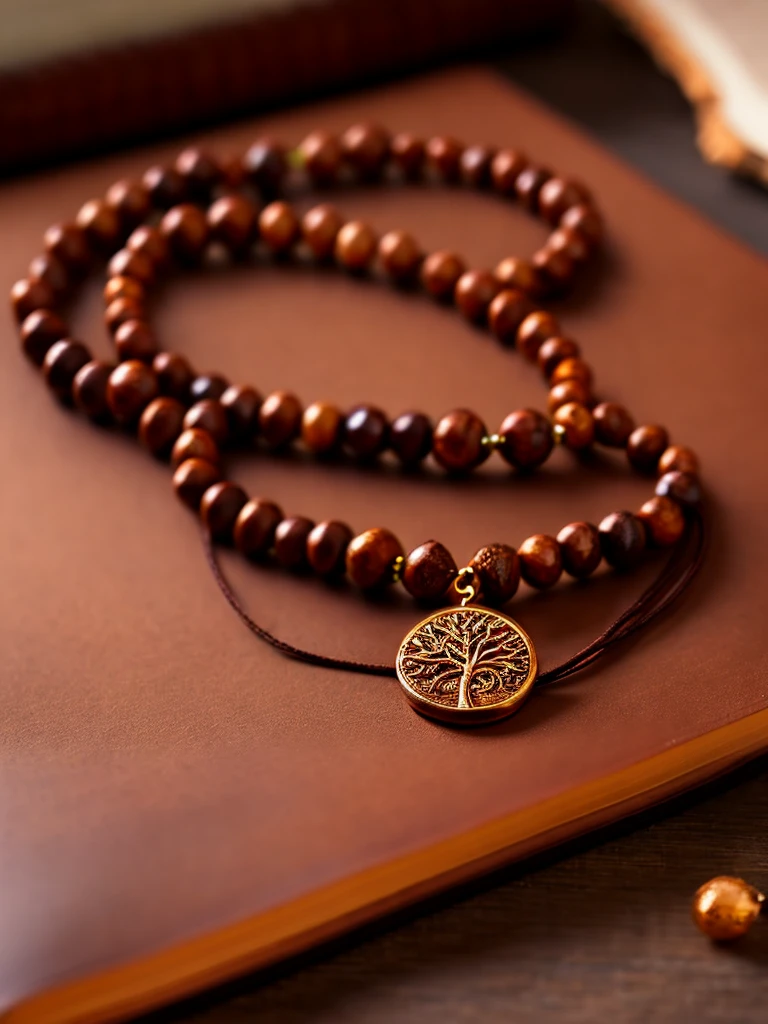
[
  {"x": 613, "y": 424},
  {"x": 191, "y": 480},
  {"x": 366, "y": 432},
  {"x": 321, "y": 428},
  {"x": 663, "y": 520},
  {"x": 407, "y": 153},
  {"x": 440, "y": 273},
  {"x": 100, "y": 224},
  {"x": 513, "y": 272},
  {"x": 195, "y": 443},
  {"x": 457, "y": 443},
  {"x": 278, "y": 226},
  {"x": 579, "y": 549},
  {"x": 174, "y": 375},
  {"x": 132, "y": 386},
  {"x": 725, "y": 908},
  {"x": 567, "y": 391},
  {"x": 241, "y": 405},
  {"x": 39, "y": 331},
  {"x": 622, "y": 539},
  {"x": 130, "y": 200},
  {"x": 321, "y": 156},
  {"x": 410, "y": 438},
  {"x": 49, "y": 269},
  {"x": 61, "y": 363},
  {"x": 572, "y": 369},
  {"x": 207, "y": 385},
  {"x": 678, "y": 458},
  {"x": 121, "y": 310},
  {"x": 208, "y": 414},
  {"x": 528, "y": 185},
  {"x": 254, "y": 531},
  {"x": 149, "y": 241},
  {"x": 201, "y": 172},
  {"x": 506, "y": 165},
  {"x": 280, "y": 418},
  {"x": 232, "y": 221},
  {"x": 327, "y": 545},
  {"x": 537, "y": 328},
  {"x": 474, "y": 292},
  {"x": 68, "y": 243},
  {"x": 585, "y": 219},
  {"x": 355, "y": 246},
  {"x": 506, "y": 312},
  {"x": 186, "y": 229},
  {"x": 160, "y": 425},
  {"x": 366, "y": 148},
  {"x": 540, "y": 561},
  {"x": 443, "y": 156},
  {"x": 645, "y": 447},
  {"x": 89, "y": 389},
  {"x": 265, "y": 165},
  {"x": 124, "y": 288},
  {"x": 558, "y": 195},
  {"x": 555, "y": 267},
  {"x": 320, "y": 227},
  {"x": 219, "y": 508},
  {"x": 577, "y": 423},
  {"x": 165, "y": 186},
  {"x": 126, "y": 263},
  {"x": 135, "y": 339},
  {"x": 428, "y": 571},
  {"x": 400, "y": 256},
  {"x": 683, "y": 488},
  {"x": 290, "y": 542},
  {"x": 498, "y": 570},
  {"x": 30, "y": 294},
  {"x": 527, "y": 438},
  {"x": 553, "y": 351},
  {"x": 475, "y": 166},
  {"x": 370, "y": 558}
]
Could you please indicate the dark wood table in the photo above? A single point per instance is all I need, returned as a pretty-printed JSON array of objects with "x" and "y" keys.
[{"x": 601, "y": 930}]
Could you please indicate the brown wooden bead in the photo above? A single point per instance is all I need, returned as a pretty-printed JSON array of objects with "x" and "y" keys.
[
  {"x": 613, "y": 424},
  {"x": 89, "y": 389},
  {"x": 61, "y": 363},
  {"x": 200, "y": 171},
  {"x": 572, "y": 369},
  {"x": 645, "y": 447},
  {"x": 100, "y": 223},
  {"x": 321, "y": 156},
  {"x": 527, "y": 438},
  {"x": 586, "y": 220},
  {"x": 505, "y": 168},
  {"x": 507, "y": 311},
  {"x": 408, "y": 153},
  {"x": 443, "y": 156},
  {"x": 684, "y": 488},
  {"x": 192, "y": 479},
  {"x": 366, "y": 148},
  {"x": 558, "y": 195},
  {"x": 321, "y": 428},
  {"x": 266, "y": 166},
  {"x": 320, "y": 227},
  {"x": 207, "y": 385},
  {"x": 366, "y": 432},
  {"x": 135, "y": 339},
  {"x": 174, "y": 375},
  {"x": 51, "y": 271},
  {"x": 165, "y": 186},
  {"x": 371, "y": 557},
  {"x": 663, "y": 520},
  {"x": 241, "y": 404},
  {"x": 130, "y": 389},
  {"x": 232, "y": 222},
  {"x": 528, "y": 186},
  {"x": 254, "y": 531},
  {"x": 475, "y": 166},
  {"x": 195, "y": 443},
  {"x": 540, "y": 561},
  {"x": 149, "y": 241},
  {"x": 130, "y": 200},
  {"x": 186, "y": 228},
  {"x": 39, "y": 331},
  {"x": 474, "y": 292},
  {"x": 67, "y": 242},
  {"x": 124, "y": 288},
  {"x": 678, "y": 458},
  {"x": 278, "y": 226},
  {"x": 160, "y": 425},
  {"x": 126, "y": 263},
  {"x": 400, "y": 256},
  {"x": 622, "y": 539},
  {"x": 355, "y": 246},
  {"x": 220, "y": 506},
  {"x": 30, "y": 294},
  {"x": 555, "y": 267},
  {"x": 498, "y": 570},
  {"x": 537, "y": 328},
  {"x": 428, "y": 571},
  {"x": 280, "y": 418},
  {"x": 570, "y": 242},
  {"x": 120, "y": 311},
  {"x": 410, "y": 438},
  {"x": 580, "y": 549},
  {"x": 567, "y": 391},
  {"x": 457, "y": 443},
  {"x": 208, "y": 414},
  {"x": 553, "y": 351},
  {"x": 291, "y": 538},
  {"x": 327, "y": 546},
  {"x": 576, "y": 420},
  {"x": 440, "y": 273},
  {"x": 513, "y": 272}
]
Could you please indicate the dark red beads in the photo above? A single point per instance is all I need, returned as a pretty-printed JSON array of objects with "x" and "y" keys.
[
  {"x": 290, "y": 542},
  {"x": 160, "y": 425},
  {"x": 540, "y": 561},
  {"x": 622, "y": 539},
  {"x": 366, "y": 432},
  {"x": 280, "y": 418},
  {"x": 39, "y": 331},
  {"x": 684, "y": 488},
  {"x": 61, "y": 364},
  {"x": 192, "y": 479},
  {"x": 527, "y": 439},
  {"x": 498, "y": 570},
  {"x": 457, "y": 444},
  {"x": 327, "y": 545},
  {"x": 410, "y": 438},
  {"x": 371, "y": 558},
  {"x": 579, "y": 549},
  {"x": 428, "y": 571},
  {"x": 254, "y": 530},
  {"x": 130, "y": 389},
  {"x": 219, "y": 508}
]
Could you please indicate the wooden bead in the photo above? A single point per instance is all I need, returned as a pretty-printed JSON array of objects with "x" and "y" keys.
[
  {"x": 678, "y": 458},
  {"x": 366, "y": 148},
  {"x": 68, "y": 243},
  {"x": 130, "y": 200},
  {"x": 572, "y": 369},
  {"x": 321, "y": 156},
  {"x": 209, "y": 415},
  {"x": 407, "y": 153},
  {"x": 49, "y": 269},
  {"x": 474, "y": 292},
  {"x": 124, "y": 288},
  {"x": 645, "y": 447},
  {"x": 39, "y": 331},
  {"x": 266, "y": 166},
  {"x": 219, "y": 508},
  {"x": 527, "y": 440},
  {"x": 577, "y": 423},
  {"x": 200, "y": 171},
  {"x": 186, "y": 229},
  {"x": 192, "y": 479},
  {"x": 428, "y": 571},
  {"x": 207, "y": 385},
  {"x": 440, "y": 273},
  {"x": 580, "y": 549},
  {"x": 371, "y": 557},
  {"x": 567, "y": 391},
  {"x": 254, "y": 530},
  {"x": 135, "y": 339},
  {"x": 537, "y": 328},
  {"x": 89, "y": 390},
  {"x": 320, "y": 227},
  {"x": 30, "y": 294},
  {"x": 130, "y": 389},
  {"x": 553, "y": 351},
  {"x": 571, "y": 243},
  {"x": 613, "y": 424},
  {"x": 498, "y": 570},
  {"x": 126, "y": 263},
  {"x": 684, "y": 488},
  {"x": 165, "y": 186},
  {"x": 160, "y": 425},
  {"x": 558, "y": 195},
  {"x": 119, "y": 311},
  {"x": 174, "y": 375},
  {"x": 149, "y": 241},
  {"x": 528, "y": 186},
  {"x": 554, "y": 266},
  {"x": 506, "y": 165},
  {"x": 327, "y": 546},
  {"x": 100, "y": 224},
  {"x": 400, "y": 256},
  {"x": 60, "y": 365},
  {"x": 506, "y": 312},
  {"x": 457, "y": 443},
  {"x": 540, "y": 561},
  {"x": 278, "y": 226},
  {"x": 410, "y": 438},
  {"x": 443, "y": 156},
  {"x": 195, "y": 443},
  {"x": 516, "y": 273},
  {"x": 725, "y": 908},
  {"x": 586, "y": 220},
  {"x": 366, "y": 432},
  {"x": 355, "y": 246},
  {"x": 663, "y": 520},
  {"x": 622, "y": 539},
  {"x": 232, "y": 222},
  {"x": 280, "y": 418},
  {"x": 475, "y": 166},
  {"x": 321, "y": 428},
  {"x": 241, "y": 405},
  {"x": 290, "y": 542}
]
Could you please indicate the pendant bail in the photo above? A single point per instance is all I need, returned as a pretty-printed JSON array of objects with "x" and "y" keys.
[{"x": 466, "y": 584}]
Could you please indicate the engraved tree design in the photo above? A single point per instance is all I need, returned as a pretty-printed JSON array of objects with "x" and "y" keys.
[{"x": 466, "y": 658}]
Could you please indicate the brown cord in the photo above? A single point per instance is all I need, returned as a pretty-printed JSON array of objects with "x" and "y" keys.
[{"x": 675, "y": 576}]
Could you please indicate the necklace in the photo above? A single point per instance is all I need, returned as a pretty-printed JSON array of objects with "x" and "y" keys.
[{"x": 468, "y": 662}]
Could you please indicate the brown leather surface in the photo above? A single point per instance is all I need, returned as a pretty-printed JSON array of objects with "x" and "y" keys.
[{"x": 164, "y": 773}]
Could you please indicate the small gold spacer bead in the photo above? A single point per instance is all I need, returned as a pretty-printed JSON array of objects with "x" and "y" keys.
[
  {"x": 397, "y": 568},
  {"x": 558, "y": 433},
  {"x": 493, "y": 441}
]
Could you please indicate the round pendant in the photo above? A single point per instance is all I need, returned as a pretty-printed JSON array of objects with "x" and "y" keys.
[{"x": 466, "y": 665}]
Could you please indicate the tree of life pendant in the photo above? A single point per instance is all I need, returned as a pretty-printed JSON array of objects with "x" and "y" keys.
[{"x": 466, "y": 665}]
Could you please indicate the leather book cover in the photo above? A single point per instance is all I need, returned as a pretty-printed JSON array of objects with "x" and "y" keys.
[{"x": 180, "y": 803}]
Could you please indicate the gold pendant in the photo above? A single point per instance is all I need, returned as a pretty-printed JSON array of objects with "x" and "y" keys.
[{"x": 466, "y": 665}]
